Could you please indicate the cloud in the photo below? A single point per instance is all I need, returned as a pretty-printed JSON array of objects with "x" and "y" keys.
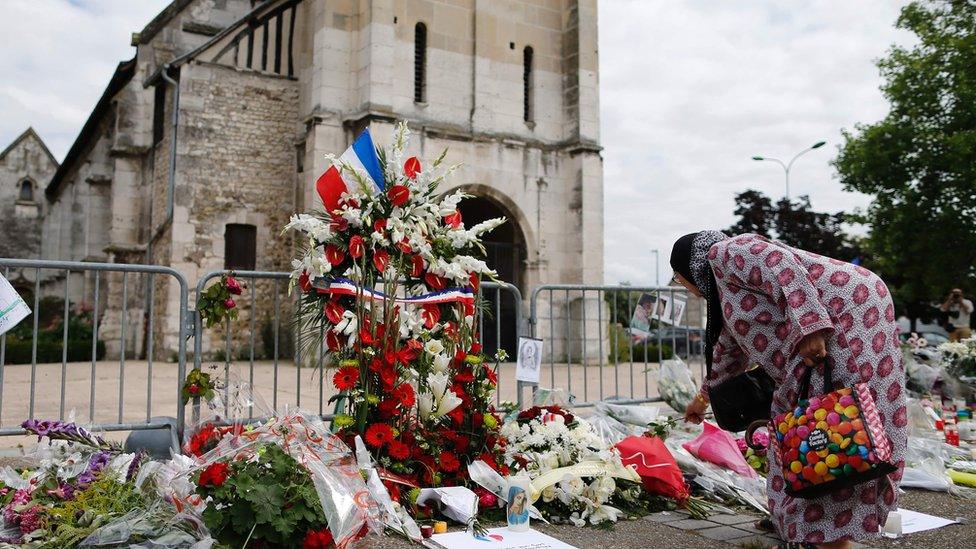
[
  {"x": 690, "y": 91},
  {"x": 58, "y": 56}
]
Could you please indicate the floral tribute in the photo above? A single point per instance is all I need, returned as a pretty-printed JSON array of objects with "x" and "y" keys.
[
  {"x": 217, "y": 301},
  {"x": 392, "y": 274}
]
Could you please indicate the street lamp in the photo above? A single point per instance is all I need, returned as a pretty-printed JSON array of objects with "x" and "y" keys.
[
  {"x": 787, "y": 166},
  {"x": 657, "y": 268}
]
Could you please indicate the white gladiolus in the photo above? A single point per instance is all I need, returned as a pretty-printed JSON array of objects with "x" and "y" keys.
[
  {"x": 434, "y": 347},
  {"x": 438, "y": 383},
  {"x": 449, "y": 401},
  {"x": 441, "y": 363},
  {"x": 425, "y": 404}
]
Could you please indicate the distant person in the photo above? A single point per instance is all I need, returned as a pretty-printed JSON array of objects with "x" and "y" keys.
[
  {"x": 958, "y": 309},
  {"x": 784, "y": 308}
]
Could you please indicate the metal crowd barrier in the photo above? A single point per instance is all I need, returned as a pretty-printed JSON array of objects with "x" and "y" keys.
[
  {"x": 591, "y": 348},
  {"x": 590, "y": 339},
  {"x": 101, "y": 282}
]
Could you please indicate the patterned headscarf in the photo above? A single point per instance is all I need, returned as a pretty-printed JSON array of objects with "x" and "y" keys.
[{"x": 689, "y": 257}]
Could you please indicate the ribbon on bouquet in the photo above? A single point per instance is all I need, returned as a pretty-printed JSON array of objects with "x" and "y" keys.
[{"x": 344, "y": 286}]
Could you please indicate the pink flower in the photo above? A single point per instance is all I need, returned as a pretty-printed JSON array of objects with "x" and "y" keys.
[
  {"x": 233, "y": 286},
  {"x": 229, "y": 303}
]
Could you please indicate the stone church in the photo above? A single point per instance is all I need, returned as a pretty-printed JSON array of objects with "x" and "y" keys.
[{"x": 212, "y": 135}]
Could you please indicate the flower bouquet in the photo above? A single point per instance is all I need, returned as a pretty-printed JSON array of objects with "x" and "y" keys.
[{"x": 390, "y": 274}]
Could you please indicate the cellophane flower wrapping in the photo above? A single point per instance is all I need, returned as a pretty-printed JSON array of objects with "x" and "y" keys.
[
  {"x": 389, "y": 279},
  {"x": 675, "y": 384}
]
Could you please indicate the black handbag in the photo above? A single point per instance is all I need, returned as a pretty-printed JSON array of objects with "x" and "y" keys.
[{"x": 745, "y": 398}]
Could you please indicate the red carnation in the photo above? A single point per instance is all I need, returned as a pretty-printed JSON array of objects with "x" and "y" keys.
[
  {"x": 453, "y": 220},
  {"x": 334, "y": 255},
  {"x": 416, "y": 266},
  {"x": 379, "y": 435},
  {"x": 398, "y": 195},
  {"x": 449, "y": 462},
  {"x": 318, "y": 539},
  {"x": 435, "y": 282},
  {"x": 356, "y": 247},
  {"x": 214, "y": 475},
  {"x": 405, "y": 394},
  {"x": 380, "y": 260},
  {"x": 346, "y": 378},
  {"x": 411, "y": 167},
  {"x": 398, "y": 450},
  {"x": 333, "y": 311}
]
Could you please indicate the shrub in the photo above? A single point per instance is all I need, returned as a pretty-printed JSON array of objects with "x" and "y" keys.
[
  {"x": 79, "y": 350},
  {"x": 621, "y": 349}
]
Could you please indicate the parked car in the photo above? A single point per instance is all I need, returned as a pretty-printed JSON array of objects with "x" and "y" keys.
[{"x": 684, "y": 341}]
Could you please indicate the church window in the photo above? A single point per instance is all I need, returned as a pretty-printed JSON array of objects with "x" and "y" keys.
[
  {"x": 527, "y": 84},
  {"x": 26, "y": 191},
  {"x": 420, "y": 63},
  {"x": 159, "y": 113},
  {"x": 240, "y": 246}
]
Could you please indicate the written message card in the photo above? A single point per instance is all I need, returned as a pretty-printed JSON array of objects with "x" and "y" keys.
[
  {"x": 500, "y": 538},
  {"x": 12, "y": 307}
]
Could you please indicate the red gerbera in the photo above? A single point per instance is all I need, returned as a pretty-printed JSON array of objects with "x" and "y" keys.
[
  {"x": 379, "y": 435},
  {"x": 346, "y": 378},
  {"x": 465, "y": 375},
  {"x": 399, "y": 450},
  {"x": 449, "y": 462},
  {"x": 317, "y": 539},
  {"x": 404, "y": 393},
  {"x": 387, "y": 408},
  {"x": 214, "y": 475}
]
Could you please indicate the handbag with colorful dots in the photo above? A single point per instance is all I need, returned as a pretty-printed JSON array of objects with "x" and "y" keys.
[{"x": 830, "y": 441}]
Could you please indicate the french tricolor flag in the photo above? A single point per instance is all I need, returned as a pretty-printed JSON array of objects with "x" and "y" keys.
[{"x": 361, "y": 156}]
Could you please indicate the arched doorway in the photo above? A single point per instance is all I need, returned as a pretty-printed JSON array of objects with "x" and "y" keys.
[{"x": 505, "y": 253}]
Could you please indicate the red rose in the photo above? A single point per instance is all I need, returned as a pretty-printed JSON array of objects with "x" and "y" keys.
[
  {"x": 346, "y": 378},
  {"x": 233, "y": 286},
  {"x": 229, "y": 303},
  {"x": 318, "y": 539},
  {"x": 356, "y": 247},
  {"x": 435, "y": 282},
  {"x": 416, "y": 266},
  {"x": 399, "y": 450},
  {"x": 486, "y": 500},
  {"x": 398, "y": 195},
  {"x": 333, "y": 311},
  {"x": 449, "y": 462},
  {"x": 411, "y": 167},
  {"x": 214, "y": 475},
  {"x": 304, "y": 282},
  {"x": 334, "y": 255},
  {"x": 193, "y": 389},
  {"x": 453, "y": 220},
  {"x": 379, "y": 435},
  {"x": 381, "y": 260}
]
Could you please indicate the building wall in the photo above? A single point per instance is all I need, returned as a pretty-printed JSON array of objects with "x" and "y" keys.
[{"x": 26, "y": 159}]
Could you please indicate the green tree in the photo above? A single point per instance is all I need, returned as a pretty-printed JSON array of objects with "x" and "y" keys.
[
  {"x": 919, "y": 162},
  {"x": 795, "y": 223}
]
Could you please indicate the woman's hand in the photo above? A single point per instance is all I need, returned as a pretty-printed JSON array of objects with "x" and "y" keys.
[
  {"x": 812, "y": 347},
  {"x": 695, "y": 411}
]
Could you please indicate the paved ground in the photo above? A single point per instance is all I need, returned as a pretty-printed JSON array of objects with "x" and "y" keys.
[{"x": 677, "y": 530}]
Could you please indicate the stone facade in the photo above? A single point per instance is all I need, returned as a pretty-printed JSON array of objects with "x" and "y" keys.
[
  {"x": 26, "y": 165},
  {"x": 267, "y": 89}
]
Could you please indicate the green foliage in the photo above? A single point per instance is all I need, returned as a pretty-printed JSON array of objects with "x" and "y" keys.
[
  {"x": 919, "y": 162},
  {"x": 217, "y": 302},
  {"x": 271, "y": 500},
  {"x": 50, "y": 331},
  {"x": 794, "y": 223},
  {"x": 68, "y": 522},
  {"x": 197, "y": 384}
]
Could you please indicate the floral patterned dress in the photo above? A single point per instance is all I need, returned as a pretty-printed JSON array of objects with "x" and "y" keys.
[{"x": 772, "y": 296}]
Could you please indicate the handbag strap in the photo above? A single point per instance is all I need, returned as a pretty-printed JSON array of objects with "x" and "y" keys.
[{"x": 828, "y": 382}]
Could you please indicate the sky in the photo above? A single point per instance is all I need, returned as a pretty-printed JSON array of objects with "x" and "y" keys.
[{"x": 690, "y": 90}]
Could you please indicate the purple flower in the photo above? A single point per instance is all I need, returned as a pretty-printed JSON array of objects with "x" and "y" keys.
[
  {"x": 31, "y": 520},
  {"x": 134, "y": 466},
  {"x": 58, "y": 430},
  {"x": 96, "y": 463},
  {"x": 63, "y": 491}
]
